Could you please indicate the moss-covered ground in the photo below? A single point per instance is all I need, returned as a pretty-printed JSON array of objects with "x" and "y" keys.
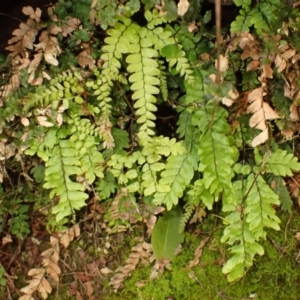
[{"x": 275, "y": 275}]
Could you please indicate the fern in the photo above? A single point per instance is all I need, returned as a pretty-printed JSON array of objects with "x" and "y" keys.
[
  {"x": 177, "y": 175},
  {"x": 141, "y": 45},
  {"x": 281, "y": 163},
  {"x": 279, "y": 187},
  {"x": 188, "y": 211},
  {"x": 61, "y": 89},
  {"x": 216, "y": 154},
  {"x": 252, "y": 211},
  {"x": 264, "y": 16},
  {"x": 63, "y": 163}
]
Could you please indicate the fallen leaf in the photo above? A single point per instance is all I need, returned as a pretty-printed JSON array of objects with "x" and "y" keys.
[
  {"x": 85, "y": 59},
  {"x": 182, "y": 7},
  {"x": 84, "y": 277},
  {"x": 252, "y": 65},
  {"x": 25, "y": 122},
  {"x": 223, "y": 63},
  {"x": 6, "y": 240},
  {"x": 42, "y": 120}
]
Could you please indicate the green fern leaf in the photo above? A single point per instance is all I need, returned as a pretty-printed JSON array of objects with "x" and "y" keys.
[
  {"x": 175, "y": 178},
  {"x": 237, "y": 233},
  {"x": 259, "y": 209},
  {"x": 63, "y": 164},
  {"x": 281, "y": 163},
  {"x": 278, "y": 186}
]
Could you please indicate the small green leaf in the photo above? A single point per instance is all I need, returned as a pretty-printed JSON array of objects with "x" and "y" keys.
[
  {"x": 166, "y": 235},
  {"x": 171, "y": 51}
]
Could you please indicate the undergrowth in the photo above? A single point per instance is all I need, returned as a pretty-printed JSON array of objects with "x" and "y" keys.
[{"x": 84, "y": 133}]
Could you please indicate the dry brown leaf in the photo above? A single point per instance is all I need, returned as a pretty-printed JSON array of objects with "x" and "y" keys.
[
  {"x": 85, "y": 59},
  {"x": 23, "y": 37},
  {"x": 50, "y": 46},
  {"x": 288, "y": 54},
  {"x": 94, "y": 3},
  {"x": 6, "y": 240},
  {"x": 42, "y": 120},
  {"x": 84, "y": 277},
  {"x": 38, "y": 283},
  {"x": 198, "y": 253},
  {"x": 131, "y": 263},
  {"x": 192, "y": 27},
  {"x": 280, "y": 63},
  {"x": 26, "y": 297},
  {"x": 182, "y": 7},
  {"x": 33, "y": 14},
  {"x": 54, "y": 29},
  {"x": 71, "y": 25},
  {"x": 261, "y": 138},
  {"x": 267, "y": 71},
  {"x": 25, "y": 122},
  {"x": 223, "y": 63},
  {"x": 35, "y": 62},
  {"x": 287, "y": 133},
  {"x": 294, "y": 111},
  {"x": 252, "y": 65},
  {"x": 88, "y": 288},
  {"x": 32, "y": 68},
  {"x": 261, "y": 113},
  {"x": 105, "y": 271}
]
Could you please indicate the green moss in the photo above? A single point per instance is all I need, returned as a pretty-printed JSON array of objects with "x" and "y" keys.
[{"x": 275, "y": 275}]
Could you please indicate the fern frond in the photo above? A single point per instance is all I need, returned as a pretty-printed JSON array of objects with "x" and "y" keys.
[
  {"x": 237, "y": 234},
  {"x": 63, "y": 88},
  {"x": 278, "y": 185},
  {"x": 163, "y": 81},
  {"x": 188, "y": 211},
  {"x": 176, "y": 177},
  {"x": 154, "y": 18},
  {"x": 217, "y": 155},
  {"x": 251, "y": 208},
  {"x": 61, "y": 166},
  {"x": 183, "y": 67},
  {"x": 260, "y": 203},
  {"x": 281, "y": 163}
]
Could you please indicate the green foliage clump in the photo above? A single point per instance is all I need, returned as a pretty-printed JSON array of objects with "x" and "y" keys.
[{"x": 95, "y": 133}]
